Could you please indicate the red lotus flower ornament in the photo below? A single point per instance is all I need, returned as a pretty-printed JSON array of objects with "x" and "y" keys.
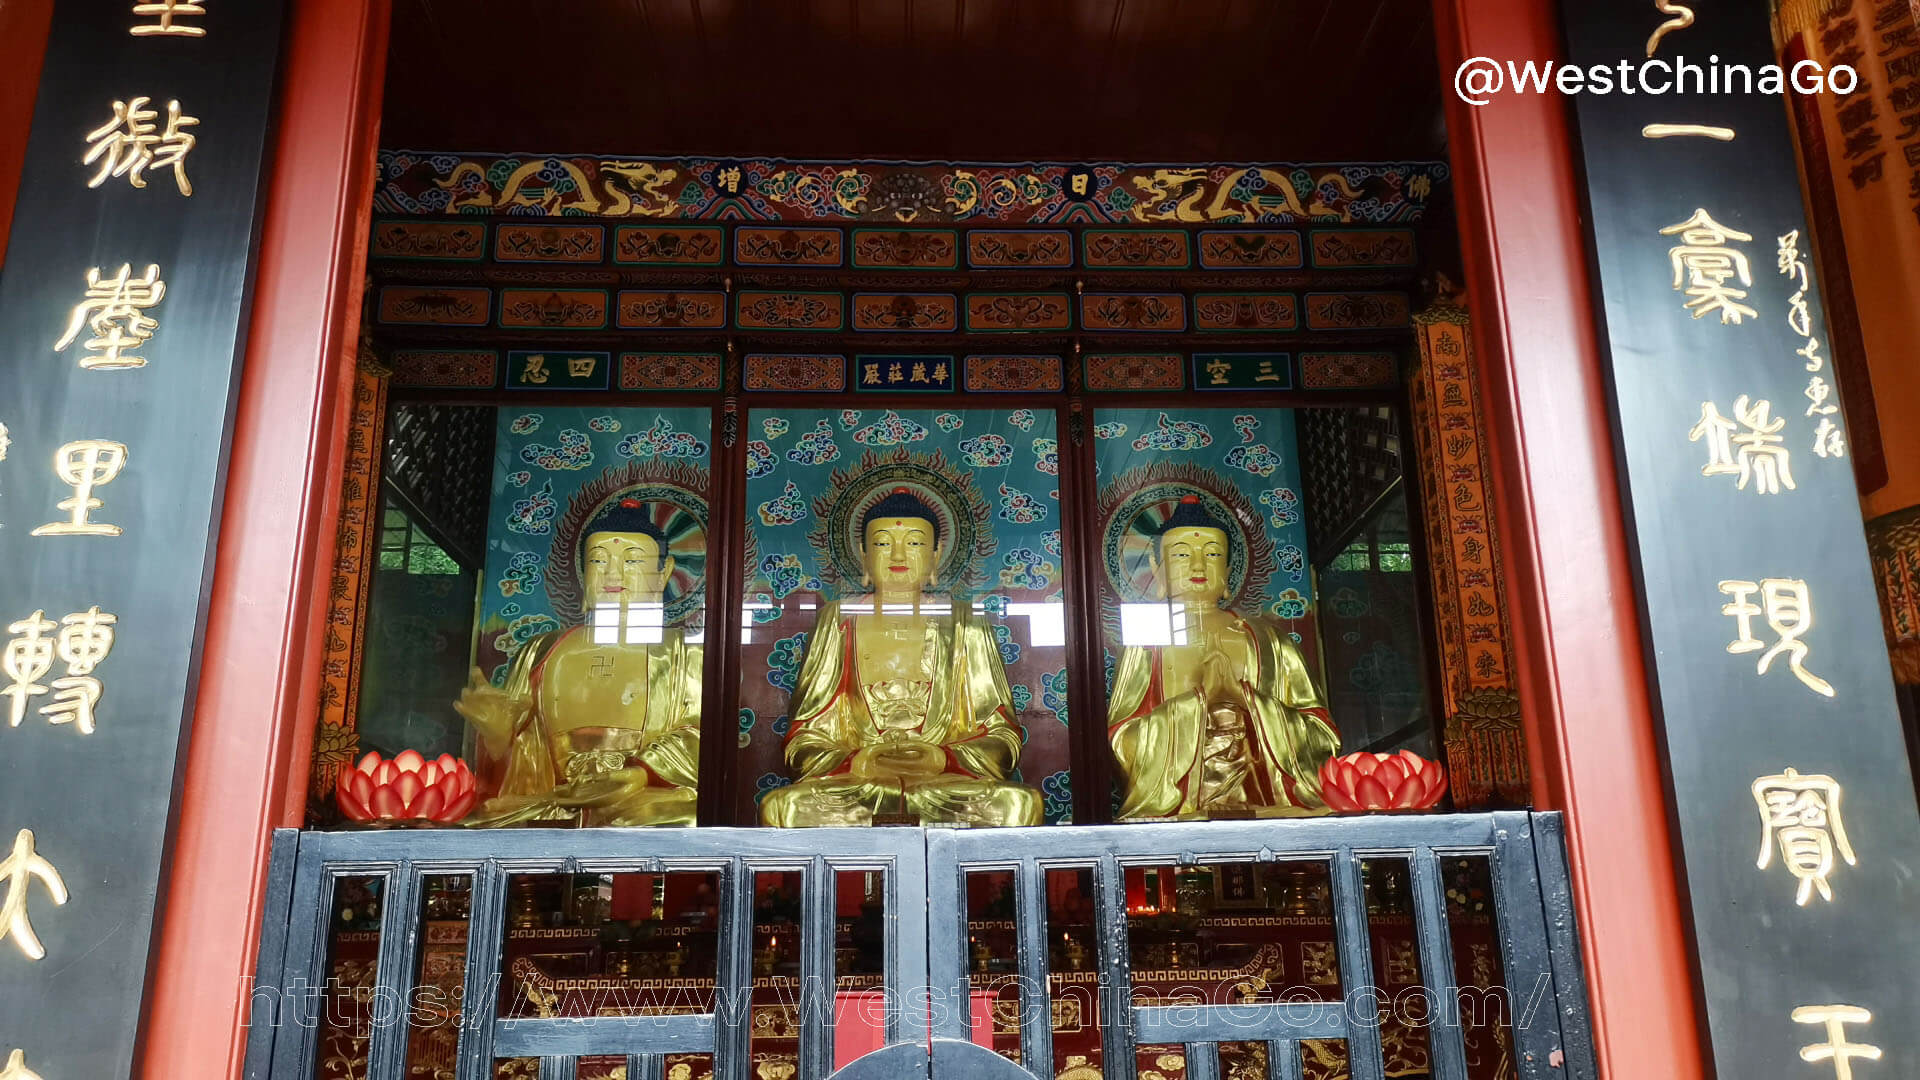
[
  {"x": 408, "y": 788},
  {"x": 1358, "y": 783}
]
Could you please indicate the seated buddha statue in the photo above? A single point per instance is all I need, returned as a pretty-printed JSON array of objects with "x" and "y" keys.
[
  {"x": 1227, "y": 721},
  {"x": 901, "y": 709},
  {"x": 599, "y": 723}
]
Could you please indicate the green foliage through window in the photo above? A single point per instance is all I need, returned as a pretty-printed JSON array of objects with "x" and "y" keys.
[
  {"x": 1387, "y": 556},
  {"x": 404, "y": 546}
]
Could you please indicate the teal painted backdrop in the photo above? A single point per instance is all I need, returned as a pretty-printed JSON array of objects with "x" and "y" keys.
[
  {"x": 994, "y": 474},
  {"x": 553, "y": 470}
]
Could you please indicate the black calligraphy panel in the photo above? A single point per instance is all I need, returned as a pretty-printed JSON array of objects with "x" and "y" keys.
[
  {"x": 1790, "y": 783},
  {"x": 122, "y": 308}
]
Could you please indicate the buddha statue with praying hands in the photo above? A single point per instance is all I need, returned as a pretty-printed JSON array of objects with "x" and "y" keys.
[
  {"x": 902, "y": 709},
  {"x": 1226, "y": 721},
  {"x": 598, "y": 724}
]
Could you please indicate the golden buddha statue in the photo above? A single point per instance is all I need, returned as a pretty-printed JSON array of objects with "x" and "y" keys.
[
  {"x": 1227, "y": 722},
  {"x": 598, "y": 723},
  {"x": 902, "y": 708}
]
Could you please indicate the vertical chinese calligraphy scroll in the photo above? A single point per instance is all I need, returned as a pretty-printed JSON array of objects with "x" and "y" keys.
[
  {"x": 1771, "y": 681},
  {"x": 122, "y": 309},
  {"x": 1486, "y": 749}
]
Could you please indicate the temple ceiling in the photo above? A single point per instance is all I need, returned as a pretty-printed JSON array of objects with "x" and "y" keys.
[{"x": 983, "y": 80}]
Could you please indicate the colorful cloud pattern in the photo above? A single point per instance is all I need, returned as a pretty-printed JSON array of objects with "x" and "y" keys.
[
  {"x": 785, "y": 508},
  {"x": 1025, "y": 568},
  {"x": 1046, "y": 453},
  {"x": 523, "y": 574},
  {"x": 1170, "y": 436},
  {"x": 986, "y": 451},
  {"x": 572, "y": 450},
  {"x": 891, "y": 429},
  {"x": 533, "y": 515},
  {"x": 816, "y": 447},
  {"x": 1283, "y": 506},
  {"x": 783, "y": 663},
  {"x": 661, "y": 441},
  {"x": 760, "y": 459},
  {"x": 1259, "y": 459},
  {"x": 785, "y": 575},
  {"x": 1020, "y": 507}
]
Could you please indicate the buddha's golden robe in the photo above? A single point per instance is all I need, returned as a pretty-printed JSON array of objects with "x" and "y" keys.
[
  {"x": 961, "y": 707},
  {"x": 1259, "y": 754},
  {"x": 640, "y": 767}
]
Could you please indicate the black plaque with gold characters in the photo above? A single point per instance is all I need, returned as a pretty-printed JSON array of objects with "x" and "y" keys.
[
  {"x": 1790, "y": 782},
  {"x": 123, "y": 303}
]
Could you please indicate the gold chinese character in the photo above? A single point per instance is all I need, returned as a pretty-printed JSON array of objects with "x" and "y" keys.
[
  {"x": 895, "y": 373},
  {"x": 1836, "y": 1049},
  {"x": 580, "y": 367},
  {"x": 1706, "y": 131},
  {"x": 16, "y": 1068},
  {"x": 534, "y": 370},
  {"x": 16, "y": 872},
  {"x": 1217, "y": 372},
  {"x": 1755, "y": 455},
  {"x": 1788, "y": 260},
  {"x": 1703, "y": 262},
  {"x": 728, "y": 180},
  {"x": 86, "y": 464},
  {"x": 28, "y": 658},
  {"x": 1788, "y": 606},
  {"x": 870, "y": 374},
  {"x": 940, "y": 372},
  {"x": 127, "y": 146},
  {"x": 112, "y": 311},
  {"x": 1817, "y": 393},
  {"x": 73, "y": 702},
  {"x": 1078, "y": 182},
  {"x": 86, "y": 637},
  {"x": 1799, "y": 316},
  {"x": 1682, "y": 18},
  {"x": 1827, "y": 439},
  {"x": 1802, "y": 815},
  {"x": 1266, "y": 373},
  {"x": 168, "y": 10},
  {"x": 919, "y": 373}
]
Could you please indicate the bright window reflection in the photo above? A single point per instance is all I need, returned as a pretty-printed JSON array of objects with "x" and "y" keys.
[
  {"x": 639, "y": 623},
  {"x": 1153, "y": 623},
  {"x": 1046, "y": 623}
]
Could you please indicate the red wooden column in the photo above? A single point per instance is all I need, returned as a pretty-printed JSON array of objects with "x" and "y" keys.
[
  {"x": 247, "y": 755},
  {"x": 23, "y": 45},
  {"x": 1583, "y": 685}
]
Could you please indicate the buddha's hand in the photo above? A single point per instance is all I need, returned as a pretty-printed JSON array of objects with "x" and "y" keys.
[
  {"x": 1219, "y": 680},
  {"x": 491, "y": 710},
  {"x": 901, "y": 758}
]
